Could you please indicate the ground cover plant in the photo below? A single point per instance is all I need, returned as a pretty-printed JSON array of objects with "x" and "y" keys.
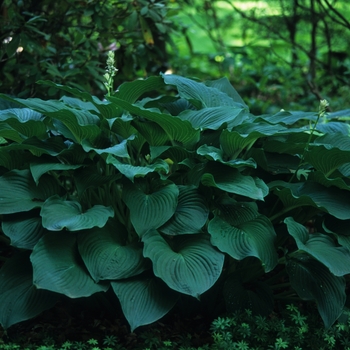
[{"x": 168, "y": 188}]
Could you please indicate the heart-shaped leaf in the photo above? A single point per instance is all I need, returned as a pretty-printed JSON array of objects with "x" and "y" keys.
[
  {"x": 231, "y": 180},
  {"x": 191, "y": 90},
  {"x": 20, "y": 300},
  {"x": 191, "y": 267},
  {"x": 25, "y": 232},
  {"x": 321, "y": 247},
  {"x": 190, "y": 215},
  {"x": 106, "y": 257},
  {"x": 313, "y": 281},
  {"x": 150, "y": 211},
  {"x": 19, "y": 192},
  {"x": 144, "y": 300},
  {"x": 58, "y": 214},
  {"x": 57, "y": 266},
  {"x": 250, "y": 238}
]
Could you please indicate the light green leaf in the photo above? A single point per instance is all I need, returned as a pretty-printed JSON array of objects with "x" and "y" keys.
[
  {"x": 225, "y": 86},
  {"x": 150, "y": 211},
  {"x": 106, "y": 256},
  {"x": 289, "y": 117},
  {"x": 206, "y": 95},
  {"x": 190, "y": 215},
  {"x": 25, "y": 121},
  {"x": 191, "y": 266},
  {"x": 20, "y": 300},
  {"x": 132, "y": 171},
  {"x": 313, "y": 281},
  {"x": 144, "y": 300},
  {"x": 58, "y": 214},
  {"x": 231, "y": 180},
  {"x": 57, "y": 266},
  {"x": 326, "y": 160},
  {"x": 251, "y": 238},
  {"x": 331, "y": 200},
  {"x": 214, "y": 117},
  {"x": 25, "y": 231},
  {"x": 19, "y": 192},
  {"x": 321, "y": 247}
]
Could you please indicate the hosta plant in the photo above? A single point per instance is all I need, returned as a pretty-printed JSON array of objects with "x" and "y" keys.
[{"x": 166, "y": 187}]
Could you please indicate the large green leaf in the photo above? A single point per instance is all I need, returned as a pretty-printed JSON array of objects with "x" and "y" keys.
[
  {"x": 191, "y": 266},
  {"x": 321, "y": 247},
  {"x": 334, "y": 140},
  {"x": 231, "y": 180},
  {"x": 58, "y": 214},
  {"x": 339, "y": 228},
  {"x": 20, "y": 300},
  {"x": 236, "y": 213},
  {"x": 131, "y": 91},
  {"x": 118, "y": 150},
  {"x": 319, "y": 177},
  {"x": 216, "y": 154},
  {"x": 106, "y": 256},
  {"x": 250, "y": 238},
  {"x": 19, "y": 192},
  {"x": 225, "y": 86},
  {"x": 214, "y": 117},
  {"x": 25, "y": 121},
  {"x": 289, "y": 117},
  {"x": 331, "y": 199},
  {"x": 57, "y": 266},
  {"x": 207, "y": 96},
  {"x": 132, "y": 171},
  {"x": 175, "y": 128},
  {"x": 152, "y": 132},
  {"x": 41, "y": 167},
  {"x": 190, "y": 215},
  {"x": 25, "y": 231},
  {"x": 108, "y": 110},
  {"x": 313, "y": 281},
  {"x": 144, "y": 300},
  {"x": 150, "y": 211},
  {"x": 82, "y": 124},
  {"x": 326, "y": 160}
]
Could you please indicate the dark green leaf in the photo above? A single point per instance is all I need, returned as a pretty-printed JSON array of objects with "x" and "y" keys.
[
  {"x": 57, "y": 266},
  {"x": 191, "y": 267},
  {"x": 144, "y": 300},
  {"x": 250, "y": 238},
  {"x": 19, "y": 192},
  {"x": 106, "y": 256},
  {"x": 190, "y": 215},
  {"x": 20, "y": 300},
  {"x": 313, "y": 281},
  {"x": 150, "y": 211}
]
